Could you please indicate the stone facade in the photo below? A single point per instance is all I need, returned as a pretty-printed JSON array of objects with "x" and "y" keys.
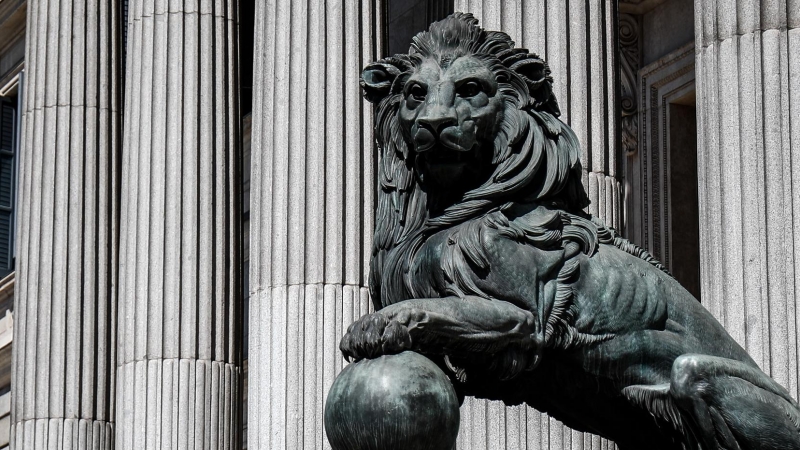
[{"x": 124, "y": 122}]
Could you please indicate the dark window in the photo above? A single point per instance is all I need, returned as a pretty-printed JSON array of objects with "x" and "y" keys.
[{"x": 8, "y": 143}]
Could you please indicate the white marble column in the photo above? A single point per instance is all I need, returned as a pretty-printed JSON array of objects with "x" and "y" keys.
[
  {"x": 578, "y": 40},
  {"x": 179, "y": 374},
  {"x": 748, "y": 97},
  {"x": 313, "y": 188},
  {"x": 63, "y": 357}
]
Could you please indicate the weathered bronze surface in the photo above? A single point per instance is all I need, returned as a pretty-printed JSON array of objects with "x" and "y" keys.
[
  {"x": 485, "y": 262},
  {"x": 393, "y": 402}
]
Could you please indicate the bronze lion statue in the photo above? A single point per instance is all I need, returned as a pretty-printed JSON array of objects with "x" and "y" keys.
[{"x": 485, "y": 262}]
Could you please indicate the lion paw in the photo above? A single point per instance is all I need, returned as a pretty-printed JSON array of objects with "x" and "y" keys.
[{"x": 374, "y": 335}]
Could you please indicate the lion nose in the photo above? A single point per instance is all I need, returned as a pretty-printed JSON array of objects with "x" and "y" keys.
[{"x": 438, "y": 122}]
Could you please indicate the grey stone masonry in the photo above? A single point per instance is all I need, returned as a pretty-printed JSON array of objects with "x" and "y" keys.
[
  {"x": 64, "y": 351},
  {"x": 748, "y": 108},
  {"x": 179, "y": 353},
  {"x": 312, "y": 200},
  {"x": 577, "y": 38}
]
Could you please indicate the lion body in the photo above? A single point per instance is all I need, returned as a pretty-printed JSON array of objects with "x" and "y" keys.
[
  {"x": 615, "y": 345},
  {"x": 624, "y": 324}
]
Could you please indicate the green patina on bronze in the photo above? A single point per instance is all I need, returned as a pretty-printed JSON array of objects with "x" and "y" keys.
[
  {"x": 394, "y": 402},
  {"x": 485, "y": 262}
]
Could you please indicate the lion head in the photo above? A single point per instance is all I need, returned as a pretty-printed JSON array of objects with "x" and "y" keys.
[{"x": 465, "y": 123}]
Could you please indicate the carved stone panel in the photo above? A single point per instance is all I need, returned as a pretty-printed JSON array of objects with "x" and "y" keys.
[
  {"x": 666, "y": 81},
  {"x": 629, "y": 63}
]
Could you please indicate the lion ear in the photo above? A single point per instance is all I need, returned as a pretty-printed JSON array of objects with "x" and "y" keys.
[
  {"x": 377, "y": 79},
  {"x": 536, "y": 74}
]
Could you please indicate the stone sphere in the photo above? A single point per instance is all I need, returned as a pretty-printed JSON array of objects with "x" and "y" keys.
[{"x": 396, "y": 402}]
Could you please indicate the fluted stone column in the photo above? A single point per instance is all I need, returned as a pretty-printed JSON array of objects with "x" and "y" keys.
[
  {"x": 63, "y": 357},
  {"x": 312, "y": 197},
  {"x": 578, "y": 40},
  {"x": 748, "y": 92},
  {"x": 178, "y": 373}
]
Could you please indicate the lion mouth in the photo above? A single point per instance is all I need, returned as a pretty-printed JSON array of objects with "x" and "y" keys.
[
  {"x": 441, "y": 155},
  {"x": 452, "y": 170}
]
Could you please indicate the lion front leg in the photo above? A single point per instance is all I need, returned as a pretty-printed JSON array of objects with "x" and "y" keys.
[{"x": 452, "y": 326}]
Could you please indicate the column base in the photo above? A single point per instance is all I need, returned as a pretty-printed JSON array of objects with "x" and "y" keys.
[
  {"x": 62, "y": 434},
  {"x": 177, "y": 403}
]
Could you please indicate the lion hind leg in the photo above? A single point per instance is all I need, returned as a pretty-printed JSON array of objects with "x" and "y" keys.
[
  {"x": 656, "y": 400},
  {"x": 733, "y": 405}
]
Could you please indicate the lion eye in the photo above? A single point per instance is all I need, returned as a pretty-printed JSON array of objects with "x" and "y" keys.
[
  {"x": 418, "y": 92},
  {"x": 470, "y": 89}
]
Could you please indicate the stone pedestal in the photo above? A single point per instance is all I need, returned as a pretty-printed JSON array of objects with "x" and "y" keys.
[
  {"x": 178, "y": 374},
  {"x": 748, "y": 89},
  {"x": 578, "y": 40},
  {"x": 313, "y": 188},
  {"x": 63, "y": 357}
]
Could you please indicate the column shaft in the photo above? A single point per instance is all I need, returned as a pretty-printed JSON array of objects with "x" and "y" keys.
[
  {"x": 64, "y": 351},
  {"x": 748, "y": 86},
  {"x": 578, "y": 40},
  {"x": 179, "y": 368},
  {"x": 313, "y": 188}
]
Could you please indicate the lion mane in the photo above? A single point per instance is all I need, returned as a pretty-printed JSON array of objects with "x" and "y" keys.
[{"x": 536, "y": 160}]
